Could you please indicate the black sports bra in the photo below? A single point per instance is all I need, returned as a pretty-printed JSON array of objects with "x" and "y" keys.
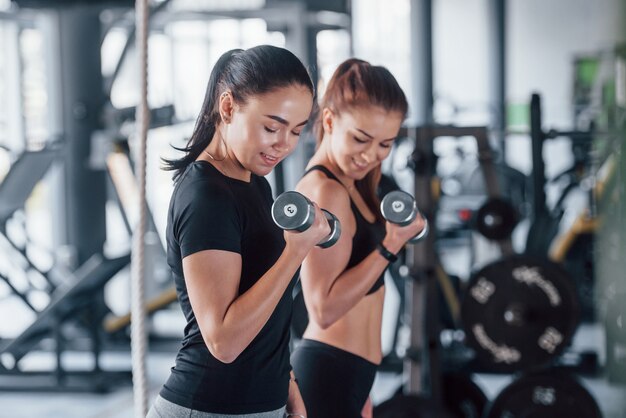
[{"x": 366, "y": 237}]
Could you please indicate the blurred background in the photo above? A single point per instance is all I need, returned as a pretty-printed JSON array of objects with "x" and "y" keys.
[{"x": 514, "y": 147}]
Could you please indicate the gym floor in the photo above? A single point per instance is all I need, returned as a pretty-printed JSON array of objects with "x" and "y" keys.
[{"x": 119, "y": 403}]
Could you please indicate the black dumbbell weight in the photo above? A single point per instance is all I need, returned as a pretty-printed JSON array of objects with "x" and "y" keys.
[
  {"x": 399, "y": 207},
  {"x": 496, "y": 219},
  {"x": 292, "y": 211},
  {"x": 551, "y": 393}
]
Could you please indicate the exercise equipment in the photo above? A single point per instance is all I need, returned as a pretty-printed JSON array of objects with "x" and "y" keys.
[
  {"x": 462, "y": 398},
  {"x": 574, "y": 248},
  {"x": 508, "y": 303},
  {"x": 462, "y": 183},
  {"x": 17, "y": 186},
  {"x": 399, "y": 207},
  {"x": 496, "y": 219},
  {"x": 292, "y": 211},
  {"x": 523, "y": 326},
  {"x": 159, "y": 290},
  {"x": 549, "y": 394},
  {"x": 139, "y": 338},
  {"x": 72, "y": 304},
  {"x": 518, "y": 313},
  {"x": 545, "y": 222},
  {"x": 410, "y": 406},
  {"x": 424, "y": 389}
]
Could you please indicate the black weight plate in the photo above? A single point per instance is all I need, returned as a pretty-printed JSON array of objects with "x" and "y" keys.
[
  {"x": 518, "y": 313},
  {"x": 496, "y": 219},
  {"x": 293, "y": 211},
  {"x": 410, "y": 406},
  {"x": 462, "y": 397},
  {"x": 544, "y": 396}
]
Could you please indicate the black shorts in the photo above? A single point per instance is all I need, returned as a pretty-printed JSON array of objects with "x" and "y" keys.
[{"x": 333, "y": 382}]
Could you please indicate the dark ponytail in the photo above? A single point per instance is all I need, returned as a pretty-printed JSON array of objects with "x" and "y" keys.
[
  {"x": 244, "y": 73},
  {"x": 357, "y": 83}
]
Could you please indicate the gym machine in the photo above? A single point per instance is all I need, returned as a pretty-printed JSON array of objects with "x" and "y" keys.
[
  {"x": 71, "y": 318},
  {"x": 70, "y": 312},
  {"x": 25, "y": 172}
]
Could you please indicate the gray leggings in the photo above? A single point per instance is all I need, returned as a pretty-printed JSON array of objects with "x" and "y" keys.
[{"x": 163, "y": 408}]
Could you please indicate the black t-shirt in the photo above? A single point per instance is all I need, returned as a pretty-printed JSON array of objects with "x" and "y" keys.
[{"x": 211, "y": 211}]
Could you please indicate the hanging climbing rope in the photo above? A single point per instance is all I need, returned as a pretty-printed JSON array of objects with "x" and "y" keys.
[{"x": 138, "y": 313}]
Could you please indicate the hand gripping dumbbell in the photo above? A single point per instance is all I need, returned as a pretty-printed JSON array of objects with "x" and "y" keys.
[
  {"x": 292, "y": 211},
  {"x": 399, "y": 207}
]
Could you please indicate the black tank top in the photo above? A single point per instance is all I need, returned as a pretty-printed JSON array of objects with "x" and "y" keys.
[{"x": 366, "y": 237}]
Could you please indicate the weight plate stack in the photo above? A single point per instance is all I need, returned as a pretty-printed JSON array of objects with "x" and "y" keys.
[
  {"x": 463, "y": 397},
  {"x": 519, "y": 313},
  {"x": 546, "y": 395}
]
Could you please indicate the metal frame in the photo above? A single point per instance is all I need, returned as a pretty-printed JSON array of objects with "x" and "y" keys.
[
  {"x": 423, "y": 365},
  {"x": 70, "y": 304}
]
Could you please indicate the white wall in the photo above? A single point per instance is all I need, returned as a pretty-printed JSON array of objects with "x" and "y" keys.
[
  {"x": 461, "y": 62},
  {"x": 381, "y": 35},
  {"x": 544, "y": 36}
]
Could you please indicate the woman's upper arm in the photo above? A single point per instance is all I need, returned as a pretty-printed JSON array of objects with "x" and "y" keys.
[
  {"x": 212, "y": 279},
  {"x": 322, "y": 266},
  {"x": 208, "y": 232}
]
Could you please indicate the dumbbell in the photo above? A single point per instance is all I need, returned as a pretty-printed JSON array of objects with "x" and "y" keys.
[
  {"x": 399, "y": 207},
  {"x": 292, "y": 211}
]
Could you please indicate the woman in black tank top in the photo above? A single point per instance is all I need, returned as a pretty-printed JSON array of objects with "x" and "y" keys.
[{"x": 356, "y": 124}]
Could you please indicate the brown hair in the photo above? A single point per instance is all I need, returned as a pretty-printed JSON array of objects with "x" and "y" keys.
[
  {"x": 358, "y": 83},
  {"x": 245, "y": 73}
]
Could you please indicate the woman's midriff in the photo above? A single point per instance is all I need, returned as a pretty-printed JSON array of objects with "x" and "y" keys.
[{"x": 358, "y": 331}]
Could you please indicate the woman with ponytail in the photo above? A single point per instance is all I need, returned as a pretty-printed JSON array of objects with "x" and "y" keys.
[
  {"x": 358, "y": 119},
  {"x": 233, "y": 268}
]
